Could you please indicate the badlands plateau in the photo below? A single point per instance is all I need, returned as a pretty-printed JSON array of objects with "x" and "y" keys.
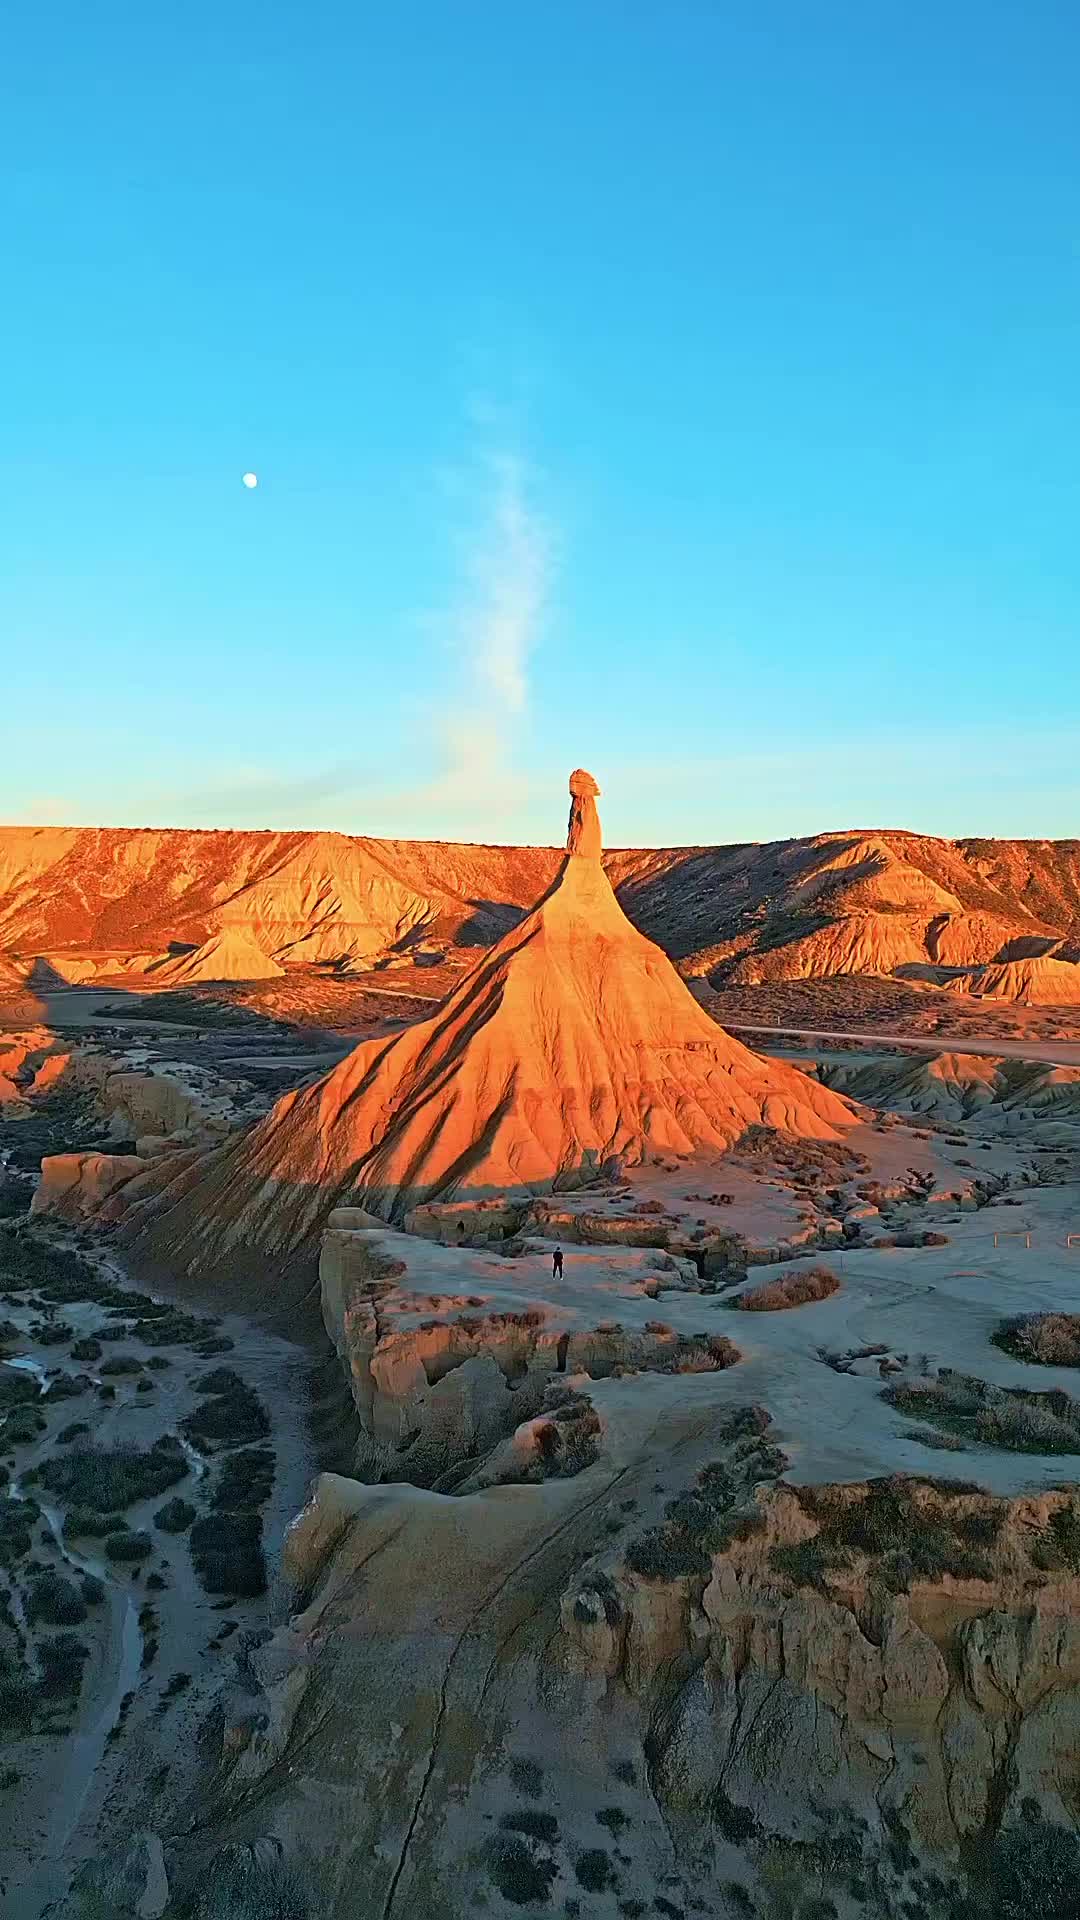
[
  {"x": 356, "y": 1561},
  {"x": 946, "y": 921}
]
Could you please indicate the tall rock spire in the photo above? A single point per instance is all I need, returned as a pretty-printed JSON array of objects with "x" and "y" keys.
[
  {"x": 571, "y": 1044},
  {"x": 583, "y": 837}
]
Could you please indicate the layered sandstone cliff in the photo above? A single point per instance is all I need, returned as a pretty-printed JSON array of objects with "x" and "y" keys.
[{"x": 95, "y": 902}]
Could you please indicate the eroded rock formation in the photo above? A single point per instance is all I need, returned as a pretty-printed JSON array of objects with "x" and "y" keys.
[
  {"x": 583, "y": 835},
  {"x": 573, "y": 1046}
]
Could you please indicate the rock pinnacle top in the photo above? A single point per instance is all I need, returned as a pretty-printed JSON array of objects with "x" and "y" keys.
[{"x": 583, "y": 837}]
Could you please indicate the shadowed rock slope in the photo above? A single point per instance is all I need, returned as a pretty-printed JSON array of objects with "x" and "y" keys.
[
  {"x": 859, "y": 903},
  {"x": 572, "y": 1045}
]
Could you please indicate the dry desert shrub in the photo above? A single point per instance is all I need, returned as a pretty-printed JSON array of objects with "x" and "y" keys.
[
  {"x": 257, "y": 1883},
  {"x": 907, "y": 1529},
  {"x": 790, "y": 1290},
  {"x": 1024, "y": 1428},
  {"x": 1046, "y": 1339},
  {"x": 706, "y": 1518},
  {"x": 1009, "y": 1417}
]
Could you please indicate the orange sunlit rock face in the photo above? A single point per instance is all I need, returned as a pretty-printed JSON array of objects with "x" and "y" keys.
[
  {"x": 179, "y": 907},
  {"x": 571, "y": 1045},
  {"x": 583, "y": 836}
]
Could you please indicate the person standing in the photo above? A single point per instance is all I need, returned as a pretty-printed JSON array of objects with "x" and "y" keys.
[{"x": 556, "y": 1264}]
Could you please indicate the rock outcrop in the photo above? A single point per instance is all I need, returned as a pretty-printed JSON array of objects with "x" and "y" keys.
[
  {"x": 997, "y": 1095},
  {"x": 232, "y": 954},
  {"x": 170, "y": 1109},
  {"x": 1043, "y": 980},
  {"x": 572, "y": 1047},
  {"x": 445, "y": 1358},
  {"x": 75, "y": 1186}
]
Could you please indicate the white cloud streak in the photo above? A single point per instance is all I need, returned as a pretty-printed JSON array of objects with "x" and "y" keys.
[
  {"x": 492, "y": 627},
  {"x": 508, "y": 572}
]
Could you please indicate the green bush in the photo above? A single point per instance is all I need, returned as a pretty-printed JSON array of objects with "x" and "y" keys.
[
  {"x": 175, "y": 1516},
  {"x": 527, "y": 1777},
  {"x": 59, "y": 1274},
  {"x": 52, "y": 1333},
  {"x": 17, "y": 1695},
  {"x": 62, "y": 1657},
  {"x": 245, "y": 1479},
  {"x": 128, "y": 1546},
  {"x": 82, "y": 1523},
  {"x": 108, "y": 1479},
  {"x": 68, "y": 1386},
  {"x": 17, "y": 1389},
  {"x": 530, "y": 1820},
  {"x": 593, "y": 1870},
  {"x": 1032, "y": 1868},
  {"x": 613, "y": 1818},
  {"x": 23, "y": 1427},
  {"x": 244, "y": 1886},
  {"x": 522, "y": 1875},
  {"x": 54, "y": 1598},
  {"x": 736, "y": 1824},
  {"x": 1057, "y": 1549},
  {"x": 220, "y": 1380},
  {"x": 231, "y": 1413},
  {"x": 168, "y": 1327},
  {"x": 704, "y": 1520},
  {"x": 226, "y": 1552}
]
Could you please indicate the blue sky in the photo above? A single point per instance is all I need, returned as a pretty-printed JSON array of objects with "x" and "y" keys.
[{"x": 690, "y": 391}]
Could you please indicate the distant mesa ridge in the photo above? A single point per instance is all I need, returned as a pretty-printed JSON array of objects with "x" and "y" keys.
[
  {"x": 101, "y": 902},
  {"x": 571, "y": 1046}
]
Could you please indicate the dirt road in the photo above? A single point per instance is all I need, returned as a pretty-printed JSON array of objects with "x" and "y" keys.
[{"x": 1052, "y": 1053}]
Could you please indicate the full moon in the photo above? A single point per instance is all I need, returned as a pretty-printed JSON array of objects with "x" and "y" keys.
[{"x": 251, "y": 479}]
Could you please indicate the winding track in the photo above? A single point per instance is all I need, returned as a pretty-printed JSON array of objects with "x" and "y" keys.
[{"x": 1051, "y": 1053}]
